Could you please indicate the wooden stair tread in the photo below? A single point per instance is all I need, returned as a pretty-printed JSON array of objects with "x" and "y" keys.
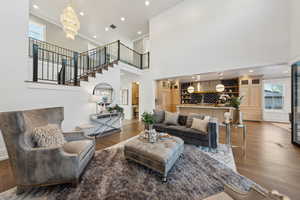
[
  {"x": 98, "y": 69},
  {"x": 92, "y": 74}
]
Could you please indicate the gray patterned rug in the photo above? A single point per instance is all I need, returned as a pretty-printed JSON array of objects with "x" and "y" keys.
[
  {"x": 195, "y": 175},
  {"x": 223, "y": 154}
]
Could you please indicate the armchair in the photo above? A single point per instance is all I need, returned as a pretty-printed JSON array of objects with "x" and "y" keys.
[
  {"x": 34, "y": 166},
  {"x": 254, "y": 193}
]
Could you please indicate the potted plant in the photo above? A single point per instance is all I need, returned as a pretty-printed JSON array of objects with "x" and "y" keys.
[
  {"x": 117, "y": 109},
  {"x": 148, "y": 120},
  {"x": 236, "y": 103}
]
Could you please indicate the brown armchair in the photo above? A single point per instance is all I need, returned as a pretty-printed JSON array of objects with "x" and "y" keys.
[{"x": 33, "y": 166}]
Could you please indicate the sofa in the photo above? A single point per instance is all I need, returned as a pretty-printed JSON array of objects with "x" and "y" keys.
[
  {"x": 188, "y": 134},
  {"x": 42, "y": 166}
]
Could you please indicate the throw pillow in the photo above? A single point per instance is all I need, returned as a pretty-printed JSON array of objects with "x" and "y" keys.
[
  {"x": 200, "y": 124},
  {"x": 182, "y": 120},
  {"x": 171, "y": 118},
  {"x": 159, "y": 116},
  {"x": 48, "y": 136},
  {"x": 190, "y": 118}
]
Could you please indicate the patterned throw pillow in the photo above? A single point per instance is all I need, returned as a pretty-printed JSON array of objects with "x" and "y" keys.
[
  {"x": 48, "y": 136},
  {"x": 200, "y": 124},
  {"x": 171, "y": 118}
]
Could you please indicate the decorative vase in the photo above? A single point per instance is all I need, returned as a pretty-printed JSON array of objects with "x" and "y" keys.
[
  {"x": 227, "y": 116},
  {"x": 148, "y": 127},
  {"x": 152, "y": 137},
  {"x": 238, "y": 117}
]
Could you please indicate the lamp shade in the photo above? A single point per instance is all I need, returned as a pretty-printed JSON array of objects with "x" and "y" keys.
[
  {"x": 191, "y": 89},
  {"x": 220, "y": 88}
]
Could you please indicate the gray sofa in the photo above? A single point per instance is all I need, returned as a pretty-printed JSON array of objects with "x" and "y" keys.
[
  {"x": 189, "y": 135},
  {"x": 34, "y": 166}
]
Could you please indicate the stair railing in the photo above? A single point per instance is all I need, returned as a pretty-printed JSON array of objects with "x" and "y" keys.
[
  {"x": 49, "y": 66},
  {"x": 63, "y": 66}
]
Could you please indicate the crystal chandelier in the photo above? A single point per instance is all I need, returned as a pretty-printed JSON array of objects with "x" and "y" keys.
[{"x": 70, "y": 22}]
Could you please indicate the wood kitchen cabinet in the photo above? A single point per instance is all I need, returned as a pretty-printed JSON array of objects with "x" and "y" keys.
[{"x": 251, "y": 90}]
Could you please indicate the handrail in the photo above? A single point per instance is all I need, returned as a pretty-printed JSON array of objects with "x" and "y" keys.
[
  {"x": 100, "y": 47},
  {"x": 34, "y": 41},
  {"x": 130, "y": 48}
]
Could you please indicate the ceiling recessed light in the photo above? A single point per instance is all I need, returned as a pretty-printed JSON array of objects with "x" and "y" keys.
[
  {"x": 139, "y": 32},
  {"x": 106, "y": 29},
  {"x": 94, "y": 36},
  {"x": 81, "y": 13},
  {"x": 123, "y": 19},
  {"x": 147, "y": 3},
  {"x": 251, "y": 71},
  {"x": 35, "y": 6}
]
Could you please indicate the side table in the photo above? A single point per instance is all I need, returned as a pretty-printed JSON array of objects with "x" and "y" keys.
[{"x": 228, "y": 127}]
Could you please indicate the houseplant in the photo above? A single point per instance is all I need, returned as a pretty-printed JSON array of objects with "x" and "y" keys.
[
  {"x": 236, "y": 103},
  {"x": 148, "y": 120},
  {"x": 117, "y": 109}
]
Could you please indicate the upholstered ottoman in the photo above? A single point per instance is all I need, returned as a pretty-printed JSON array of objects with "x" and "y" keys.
[{"x": 159, "y": 156}]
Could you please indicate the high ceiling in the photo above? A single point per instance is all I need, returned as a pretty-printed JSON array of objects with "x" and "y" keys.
[{"x": 99, "y": 14}]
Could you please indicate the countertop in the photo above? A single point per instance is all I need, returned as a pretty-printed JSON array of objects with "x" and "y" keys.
[{"x": 205, "y": 107}]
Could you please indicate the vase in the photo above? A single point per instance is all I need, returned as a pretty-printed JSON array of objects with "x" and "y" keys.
[
  {"x": 227, "y": 116},
  {"x": 148, "y": 127},
  {"x": 152, "y": 138},
  {"x": 238, "y": 116}
]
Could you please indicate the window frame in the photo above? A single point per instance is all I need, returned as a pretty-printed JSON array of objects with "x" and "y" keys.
[
  {"x": 283, "y": 96},
  {"x": 38, "y": 24}
]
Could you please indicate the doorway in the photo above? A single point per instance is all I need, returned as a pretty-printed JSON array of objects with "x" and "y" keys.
[{"x": 135, "y": 99}]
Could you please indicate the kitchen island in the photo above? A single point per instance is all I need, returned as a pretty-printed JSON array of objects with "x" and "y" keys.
[{"x": 210, "y": 110}]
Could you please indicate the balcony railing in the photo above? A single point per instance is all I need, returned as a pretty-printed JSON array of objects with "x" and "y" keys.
[{"x": 64, "y": 66}]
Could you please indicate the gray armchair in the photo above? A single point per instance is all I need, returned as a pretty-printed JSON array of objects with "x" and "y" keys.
[{"x": 33, "y": 166}]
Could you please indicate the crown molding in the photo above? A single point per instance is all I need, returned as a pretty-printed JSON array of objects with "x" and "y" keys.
[
  {"x": 141, "y": 37},
  {"x": 61, "y": 27}
]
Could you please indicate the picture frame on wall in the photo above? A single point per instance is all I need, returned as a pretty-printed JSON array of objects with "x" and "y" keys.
[{"x": 124, "y": 96}]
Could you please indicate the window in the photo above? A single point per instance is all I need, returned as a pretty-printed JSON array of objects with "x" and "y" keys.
[
  {"x": 37, "y": 31},
  {"x": 273, "y": 95}
]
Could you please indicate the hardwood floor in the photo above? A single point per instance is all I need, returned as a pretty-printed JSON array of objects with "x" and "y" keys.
[{"x": 271, "y": 160}]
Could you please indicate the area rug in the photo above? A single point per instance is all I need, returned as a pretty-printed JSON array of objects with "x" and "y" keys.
[
  {"x": 222, "y": 154},
  {"x": 196, "y": 175}
]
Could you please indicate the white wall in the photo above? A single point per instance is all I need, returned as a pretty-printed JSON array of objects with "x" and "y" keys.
[
  {"x": 14, "y": 23},
  {"x": 205, "y": 36},
  {"x": 279, "y": 115},
  {"x": 126, "y": 83},
  {"x": 294, "y": 30}
]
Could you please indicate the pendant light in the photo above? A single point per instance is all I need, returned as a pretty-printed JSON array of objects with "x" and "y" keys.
[{"x": 70, "y": 21}]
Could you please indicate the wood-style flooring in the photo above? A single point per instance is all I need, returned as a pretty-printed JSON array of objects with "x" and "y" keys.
[{"x": 271, "y": 160}]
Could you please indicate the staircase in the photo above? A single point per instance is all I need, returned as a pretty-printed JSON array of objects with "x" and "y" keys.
[{"x": 52, "y": 63}]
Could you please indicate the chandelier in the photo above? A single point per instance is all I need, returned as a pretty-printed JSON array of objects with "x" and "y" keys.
[{"x": 70, "y": 22}]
